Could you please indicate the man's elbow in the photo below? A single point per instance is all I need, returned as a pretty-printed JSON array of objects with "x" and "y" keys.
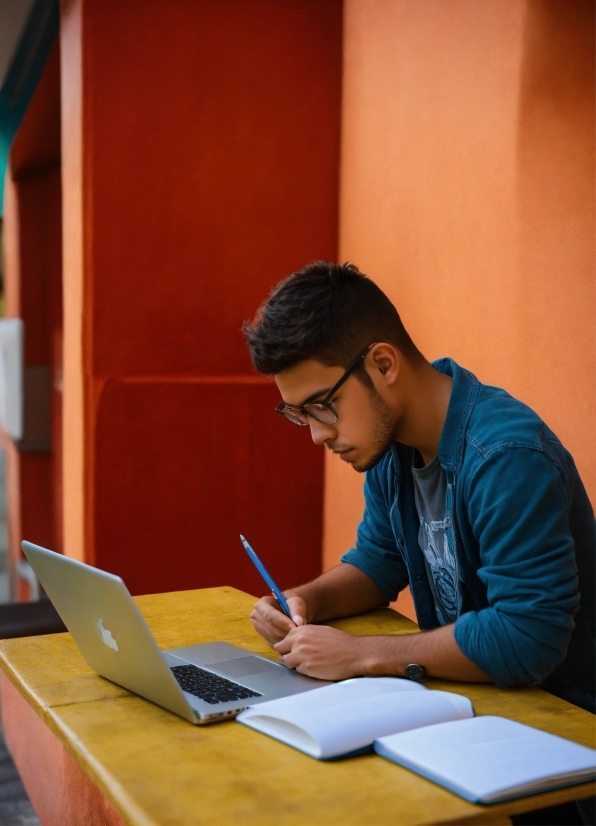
[{"x": 514, "y": 652}]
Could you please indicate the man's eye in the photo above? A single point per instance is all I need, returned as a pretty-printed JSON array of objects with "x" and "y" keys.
[{"x": 319, "y": 406}]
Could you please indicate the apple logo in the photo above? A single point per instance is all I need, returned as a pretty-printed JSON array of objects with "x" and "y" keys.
[{"x": 107, "y": 636}]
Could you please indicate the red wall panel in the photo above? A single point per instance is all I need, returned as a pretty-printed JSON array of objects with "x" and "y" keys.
[
  {"x": 212, "y": 131},
  {"x": 183, "y": 468}
]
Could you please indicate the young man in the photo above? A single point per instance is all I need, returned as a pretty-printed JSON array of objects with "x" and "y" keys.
[{"x": 470, "y": 500}]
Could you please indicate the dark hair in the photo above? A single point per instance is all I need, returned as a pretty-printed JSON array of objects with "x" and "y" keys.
[{"x": 328, "y": 312}]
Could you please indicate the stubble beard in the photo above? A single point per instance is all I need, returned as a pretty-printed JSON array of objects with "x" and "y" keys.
[{"x": 386, "y": 424}]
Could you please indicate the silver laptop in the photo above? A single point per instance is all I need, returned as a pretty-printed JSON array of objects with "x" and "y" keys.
[{"x": 202, "y": 683}]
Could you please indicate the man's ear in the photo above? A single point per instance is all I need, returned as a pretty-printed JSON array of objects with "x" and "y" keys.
[{"x": 385, "y": 360}]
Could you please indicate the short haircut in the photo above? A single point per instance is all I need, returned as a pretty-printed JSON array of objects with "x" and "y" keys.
[{"x": 326, "y": 312}]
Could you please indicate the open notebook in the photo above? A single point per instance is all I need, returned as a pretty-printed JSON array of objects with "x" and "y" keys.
[
  {"x": 434, "y": 733},
  {"x": 490, "y": 759},
  {"x": 345, "y": 718}
]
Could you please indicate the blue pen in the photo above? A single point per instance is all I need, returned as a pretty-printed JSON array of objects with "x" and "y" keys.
[{"x": 267, "y": 577}]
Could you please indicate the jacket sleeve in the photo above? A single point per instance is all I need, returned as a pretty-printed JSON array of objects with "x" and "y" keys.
[
  {"x": 518, "y": 510},
  {"x": 376, "y": 552}
]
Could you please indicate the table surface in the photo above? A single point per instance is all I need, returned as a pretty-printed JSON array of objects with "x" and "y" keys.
[{"x": 156, "y": 768}]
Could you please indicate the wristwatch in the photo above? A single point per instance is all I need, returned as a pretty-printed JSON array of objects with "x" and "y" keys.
[{"x": 415, "y": 672}]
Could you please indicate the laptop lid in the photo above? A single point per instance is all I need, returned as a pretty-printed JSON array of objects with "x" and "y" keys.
[{"x": 108, "y": 628}]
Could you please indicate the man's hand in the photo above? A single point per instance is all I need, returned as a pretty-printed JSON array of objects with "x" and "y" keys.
[
  {"x": 340, "y": 592},
  {"x": 329, "y": 654},
  {"x": 324, "y": 652},
  {"x": 272, "y": 623}
]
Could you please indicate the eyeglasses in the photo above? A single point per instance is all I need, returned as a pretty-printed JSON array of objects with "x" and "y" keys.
[{"x": 321, "y": 411}]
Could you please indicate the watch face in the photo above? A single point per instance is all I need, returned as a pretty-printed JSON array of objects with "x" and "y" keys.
[{"x": 414, "y": 671}]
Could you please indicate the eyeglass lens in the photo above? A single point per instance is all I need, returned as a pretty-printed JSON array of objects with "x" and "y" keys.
[
  {"x": 294, "y": 416},
  {"x": 320, "y": 412}
]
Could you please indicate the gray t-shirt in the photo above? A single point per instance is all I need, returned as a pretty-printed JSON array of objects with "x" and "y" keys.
[{"x": 430, "y": 488}]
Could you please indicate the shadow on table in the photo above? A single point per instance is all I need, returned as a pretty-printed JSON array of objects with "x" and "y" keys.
[
  {"x": 577, "y": 813},
  {"x": 29, "y": 619}
]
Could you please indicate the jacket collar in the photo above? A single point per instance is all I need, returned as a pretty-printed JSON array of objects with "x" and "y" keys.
[{"x": 464, "y": 393}]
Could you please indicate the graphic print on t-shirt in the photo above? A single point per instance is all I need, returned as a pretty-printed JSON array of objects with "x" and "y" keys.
[
  {"x": 430, "y": 486},
  {"x": 442, "y": 571}
]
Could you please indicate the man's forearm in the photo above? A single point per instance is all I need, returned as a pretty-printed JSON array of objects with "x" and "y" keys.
[
  {"x": 330, "y": 654},
  {"x": 436, "y": 650},
  {"x": 342, "y": 591}
]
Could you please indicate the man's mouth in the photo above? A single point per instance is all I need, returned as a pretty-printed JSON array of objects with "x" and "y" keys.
[{"x": 343, "y": 453}]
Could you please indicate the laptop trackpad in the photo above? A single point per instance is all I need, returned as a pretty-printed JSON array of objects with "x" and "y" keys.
[{"x": 244, "y": 667}]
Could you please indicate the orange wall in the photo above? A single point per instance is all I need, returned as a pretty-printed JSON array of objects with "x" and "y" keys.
[
  {"x": 200, "y": 146},
  {"x": 467, "y": 194}
]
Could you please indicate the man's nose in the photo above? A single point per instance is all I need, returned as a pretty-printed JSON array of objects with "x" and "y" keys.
[{"x": 321, "y": 432}]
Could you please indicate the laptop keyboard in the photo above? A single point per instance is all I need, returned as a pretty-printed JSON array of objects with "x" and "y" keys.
[{"x": 209, "y": 686}]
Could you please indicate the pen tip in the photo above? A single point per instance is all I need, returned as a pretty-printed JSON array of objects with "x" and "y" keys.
[{"x": 242, "y": 538}]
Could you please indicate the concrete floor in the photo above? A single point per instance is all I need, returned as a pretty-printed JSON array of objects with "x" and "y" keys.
[{"x": 15, "y": 808}]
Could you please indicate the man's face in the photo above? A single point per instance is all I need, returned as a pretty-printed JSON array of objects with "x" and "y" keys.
[{"x": 366, "y": 424}]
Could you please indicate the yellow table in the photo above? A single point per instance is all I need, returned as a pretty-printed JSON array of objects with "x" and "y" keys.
[{"x": 149, "y": 767}]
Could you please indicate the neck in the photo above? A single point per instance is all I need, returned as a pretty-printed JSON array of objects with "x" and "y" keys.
[{"x": 425, "y": 409}]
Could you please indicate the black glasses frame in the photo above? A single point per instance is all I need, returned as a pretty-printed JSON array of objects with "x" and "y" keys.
[{"x": 311, "y": 410}]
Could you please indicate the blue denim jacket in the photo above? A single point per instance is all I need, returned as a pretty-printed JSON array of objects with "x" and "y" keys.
[{"x": 521, "y": 528}]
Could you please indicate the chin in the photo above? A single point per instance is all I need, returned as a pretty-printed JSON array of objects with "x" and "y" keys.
[
  {"x": 361, "y": 468},
  {"x": 370, "y": 462}
]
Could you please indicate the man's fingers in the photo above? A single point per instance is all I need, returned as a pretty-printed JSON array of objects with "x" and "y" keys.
[
  {"x": 284, "y": 649},
  {"x": 297, "y": 610},
  {"x": 267, "y": 613},
  {"x": 293, "y": 652},
  {"x": 272, "y": 635},
  {"x": 291, "y": 660},
  {"x": 271, "y": 611},
  {"x": 272, "y": 624},
  {"x": 269, "y": 621},
  {"x": 284, "y": 646}
]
